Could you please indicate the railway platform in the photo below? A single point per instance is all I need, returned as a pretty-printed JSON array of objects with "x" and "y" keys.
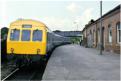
[{"x": 73, "y": 62}]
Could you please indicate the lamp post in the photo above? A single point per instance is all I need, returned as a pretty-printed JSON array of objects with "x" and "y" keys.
[
  {"x": 76, "y": 26},
  {"x": 76, "y": 23},
  {"x": 100, "y": 27}
]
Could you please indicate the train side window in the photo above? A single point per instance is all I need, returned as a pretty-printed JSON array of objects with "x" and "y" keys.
[
  {"x": 37, "y": 35},
  {"x": 49, "y": 37},
  {"x": 14, "y": 35},
  {"x": 26, "y": 35}
]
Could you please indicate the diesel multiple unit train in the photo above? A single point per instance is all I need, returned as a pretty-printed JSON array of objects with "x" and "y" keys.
[{"x": 29, "y": 40}]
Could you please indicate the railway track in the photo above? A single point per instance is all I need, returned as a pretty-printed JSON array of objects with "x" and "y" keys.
[
  {"x": 10, "y": 74},
  {"x": 26, "y": 73},
  {"x": 29, "y": 73}
]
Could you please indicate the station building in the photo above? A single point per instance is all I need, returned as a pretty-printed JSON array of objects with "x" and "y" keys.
[
  {"x": 77, "y": 35},
  {"x": 111, "y": 32},
  {"x": 69, "y": 33}
]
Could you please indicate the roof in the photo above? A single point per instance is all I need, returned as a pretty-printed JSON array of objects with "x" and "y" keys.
[
  {"x": 114, "y": 9},
  {"x": 69, "y": 33},
  {"x": 25, "y": 21}
]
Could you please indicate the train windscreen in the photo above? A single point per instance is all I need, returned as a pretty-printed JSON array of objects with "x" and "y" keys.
[
  {"x": 14, "y": 35},
  {"x": 37, "y": 35},
  {"x": 26, "y": 35}
]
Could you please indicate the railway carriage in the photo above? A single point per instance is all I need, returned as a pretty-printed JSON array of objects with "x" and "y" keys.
[{"x": 29, "y": 40}]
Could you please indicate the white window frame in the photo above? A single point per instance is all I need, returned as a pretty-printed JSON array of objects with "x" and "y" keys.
[
  {"x": 98, "y": 35},
  {"x": 118, "y": 29},
  {"x": 109, "y": 34}
]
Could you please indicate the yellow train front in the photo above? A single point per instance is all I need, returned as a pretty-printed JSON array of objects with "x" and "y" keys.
[{"x": 27, "y": 40}]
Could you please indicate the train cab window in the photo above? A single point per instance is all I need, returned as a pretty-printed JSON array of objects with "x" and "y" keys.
[
  {"x": 14, "y": 35},
  {"x": 26, "y": 35},
  {"x": 37, "y": 35}
]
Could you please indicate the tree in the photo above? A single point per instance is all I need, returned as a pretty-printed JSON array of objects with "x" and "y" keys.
[{"x": 4, "y": 33}]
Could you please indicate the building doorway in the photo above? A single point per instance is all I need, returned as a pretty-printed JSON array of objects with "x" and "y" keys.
[{"x": 103, "y": 38}]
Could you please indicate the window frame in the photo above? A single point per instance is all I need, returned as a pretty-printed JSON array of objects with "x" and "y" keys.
[
  {"x": 98, "y": 31},
  {"x": 93, "y": 35},
  {"x": 41, "y": 36},
  {"x": 11, "y": 33},
  {"x": 22, "y": 35},
  {"x": 118, "y": 28},
  {"x": 110, "y": 30}
]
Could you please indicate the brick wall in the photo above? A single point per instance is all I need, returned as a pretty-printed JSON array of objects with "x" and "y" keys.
[{"x": 111, "y": 19}]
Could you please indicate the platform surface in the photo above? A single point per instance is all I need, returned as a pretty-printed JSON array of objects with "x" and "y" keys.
[{"x": 73, "y": 62}]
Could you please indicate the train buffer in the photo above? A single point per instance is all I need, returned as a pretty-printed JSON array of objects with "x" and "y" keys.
[{"x": 73, "y": 62}]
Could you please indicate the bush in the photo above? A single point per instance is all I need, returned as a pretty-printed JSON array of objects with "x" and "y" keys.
[{"x": 4, "y": 32}]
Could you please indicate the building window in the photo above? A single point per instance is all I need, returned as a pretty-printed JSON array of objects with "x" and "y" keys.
[
  {"x": 118, "y": 26},
  {"x": 109, "y": 34},
  {"x": 98, "y": 35},
  {"x": 93, "y": 35}
]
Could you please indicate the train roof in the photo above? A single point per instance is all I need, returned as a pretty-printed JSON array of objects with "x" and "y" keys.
[{"x": 28, "y": 21}]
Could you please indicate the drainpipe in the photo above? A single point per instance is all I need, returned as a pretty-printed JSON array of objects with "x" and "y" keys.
[{"x": 100, "y": 27}]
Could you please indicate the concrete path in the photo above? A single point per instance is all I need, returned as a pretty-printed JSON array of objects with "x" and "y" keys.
[{"x": 73, "y": 62}]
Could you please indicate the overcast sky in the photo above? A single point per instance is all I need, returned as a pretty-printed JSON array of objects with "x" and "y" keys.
[{"x": 57, "y": 15}]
